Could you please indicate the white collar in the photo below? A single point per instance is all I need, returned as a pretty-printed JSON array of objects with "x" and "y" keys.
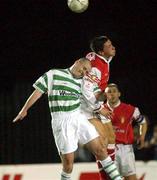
[
  {"x": 107, "y": 61},
  {"x": 71, "y": 67},
  {"x": 116, "y": 105}
]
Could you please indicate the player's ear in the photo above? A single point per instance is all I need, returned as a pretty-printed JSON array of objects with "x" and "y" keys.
[{"x": 119, "y": 94}]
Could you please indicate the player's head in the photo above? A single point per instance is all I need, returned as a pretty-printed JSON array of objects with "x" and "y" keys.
[
  {"x": 112, "y": 93},
  {"x": 102, "y": 45},
  {"x": 81, "y": 67}
]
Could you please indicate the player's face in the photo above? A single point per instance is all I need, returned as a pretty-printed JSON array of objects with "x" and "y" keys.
[
  {"x": 81, "y": 68},
  {"x": 108, "y": 50},
  {"x": 112, "y": 95}
]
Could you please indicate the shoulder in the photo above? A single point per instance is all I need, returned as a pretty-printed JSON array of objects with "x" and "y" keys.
[
  {"x": 91, "y": 56},
  {"x": 126, "y": 105},
  {"x": 55, "y": 73},
  {"x": 58, "y": 71}
]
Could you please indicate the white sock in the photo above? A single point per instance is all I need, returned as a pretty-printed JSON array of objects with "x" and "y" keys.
[
  {"x": 111, "y": 146},
  {"x": 110, "y": 168},
  {"x": 65, "y": 176}
]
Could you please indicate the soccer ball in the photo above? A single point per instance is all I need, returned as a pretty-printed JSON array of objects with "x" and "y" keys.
[{"x": 78, "y": 6}]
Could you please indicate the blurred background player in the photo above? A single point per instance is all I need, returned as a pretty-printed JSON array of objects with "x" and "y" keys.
[
  {"x": 102, "y": 53},
  {"x": 124, "y": 115}
]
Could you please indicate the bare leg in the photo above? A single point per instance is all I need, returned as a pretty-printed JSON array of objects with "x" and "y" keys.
[
  {"x": 99, "y": 126},
  {"x": 99, "y": 150},
  {"x": 107, "y": 135},
  {"x": 131, "y": 177},
  {"x": 67, "y": 162},
  {"x": 110, "y": 132}
]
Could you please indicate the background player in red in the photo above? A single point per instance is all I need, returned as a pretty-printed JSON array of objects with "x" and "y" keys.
[
  {"x": 123, "y": 117},
  {"x": 102, "y": 53}
]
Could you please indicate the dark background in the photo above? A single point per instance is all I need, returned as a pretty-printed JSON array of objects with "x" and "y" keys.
[{"x": 37, "y": 35}]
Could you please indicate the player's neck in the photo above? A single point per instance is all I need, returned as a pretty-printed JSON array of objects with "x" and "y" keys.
[
  {"x": 106, "y": 59},
  {"x": 103, "y": 56},
  {"x": 112, "y": 105}
]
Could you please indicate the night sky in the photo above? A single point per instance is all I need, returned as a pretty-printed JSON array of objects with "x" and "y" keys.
[{"x": 37, "y": 35}]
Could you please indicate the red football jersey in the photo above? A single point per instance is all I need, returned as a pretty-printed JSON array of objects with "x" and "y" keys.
[
  {"x": 100, "y": 67},
  {"x": 123, "y": 116}
]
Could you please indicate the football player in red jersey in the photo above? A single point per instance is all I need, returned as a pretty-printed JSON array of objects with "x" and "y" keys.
[
  {"x": 123, "y": 117},
  {"x": 102, "y": 53}
]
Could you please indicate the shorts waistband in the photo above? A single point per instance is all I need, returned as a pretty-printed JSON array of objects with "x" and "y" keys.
[{"x": 122, "y": 144}]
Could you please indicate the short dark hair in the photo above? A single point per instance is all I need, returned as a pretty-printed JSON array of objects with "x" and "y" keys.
[
  {"x": 112, "y": 85},
  {"x": 97, "y": 44}
]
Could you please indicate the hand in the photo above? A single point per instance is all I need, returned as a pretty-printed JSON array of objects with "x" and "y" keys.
[
  {"x": 20, "y": 116},
  {"x": 140, "y": 142},
  {"x": 105, "y": 112}
]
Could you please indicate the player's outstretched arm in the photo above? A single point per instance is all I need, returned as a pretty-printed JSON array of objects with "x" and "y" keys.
[{"x": 30, "y": 101}]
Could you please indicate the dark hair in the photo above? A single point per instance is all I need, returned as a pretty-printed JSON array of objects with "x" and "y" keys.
[
  {"x": 113, "y": 85},
  {"x": 97, "y": 44}
]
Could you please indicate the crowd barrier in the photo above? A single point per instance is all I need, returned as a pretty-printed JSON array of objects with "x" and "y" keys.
[{"x": 81, "y": 171}]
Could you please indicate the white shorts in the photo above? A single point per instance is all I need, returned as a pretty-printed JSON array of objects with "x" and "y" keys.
[
  {"x": 88, "y": 114},
  {"x": 72, "y": 128},
  {"x": 86, "y": 110},
  {"x": 125, "y": 159},
  {"x": 104, "y": 119}
]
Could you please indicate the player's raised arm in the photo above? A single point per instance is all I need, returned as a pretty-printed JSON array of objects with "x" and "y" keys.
[{"x": 30, "y": 101}]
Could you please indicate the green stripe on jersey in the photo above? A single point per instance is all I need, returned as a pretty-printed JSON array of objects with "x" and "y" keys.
[
  {"x": 61, "y": 98},
  {"x": 41, "y": 86},
  {"x": 64, "y": 108},
  {"x": 45, "y": 79},
  {"x": 62, "y": 78}
]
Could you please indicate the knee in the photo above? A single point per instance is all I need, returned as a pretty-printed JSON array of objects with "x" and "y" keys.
[
  {"x": 67, "y": 167},
  {"x": 101, "y": 152}
]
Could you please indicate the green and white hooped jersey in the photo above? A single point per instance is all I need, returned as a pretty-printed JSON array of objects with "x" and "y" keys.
[{"x": 62, "y": 88}]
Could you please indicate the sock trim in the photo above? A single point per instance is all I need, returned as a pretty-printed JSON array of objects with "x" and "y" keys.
[{"x": 111, "y": 146}]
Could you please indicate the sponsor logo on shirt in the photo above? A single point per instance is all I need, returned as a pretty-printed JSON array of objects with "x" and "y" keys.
[
  {"x": 66, "y": 93},
  {"x": 120, "y": 130}
]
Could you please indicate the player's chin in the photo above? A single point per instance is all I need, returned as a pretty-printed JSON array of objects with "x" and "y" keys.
[{"x": 113, "y": 54}]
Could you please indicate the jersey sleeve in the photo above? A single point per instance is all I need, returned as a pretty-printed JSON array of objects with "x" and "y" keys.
[
  {"x": 41, "y": 83},
  {"x": 88, "y": 90},
  {"x": 96, "y": 72},
  {"x": 138, "y": 117}
]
